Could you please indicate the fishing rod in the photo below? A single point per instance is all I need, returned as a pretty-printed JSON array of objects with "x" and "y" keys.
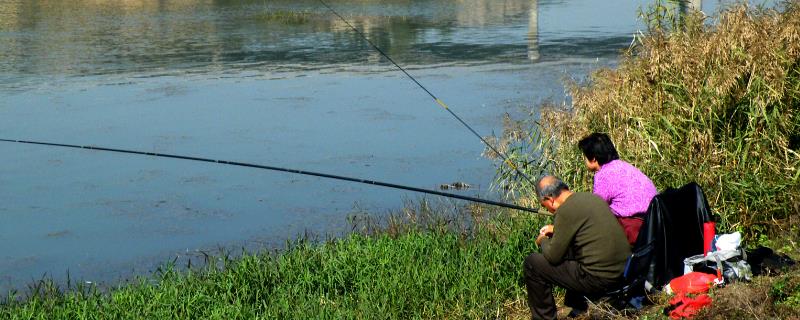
[
  {"x": 265, "y": 167},
  {"x": 437, "y": 100}
]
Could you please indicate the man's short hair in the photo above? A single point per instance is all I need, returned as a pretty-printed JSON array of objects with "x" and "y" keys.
[
  {"x": 598, "y": 146},
  {"x": 552, "y": 187}
]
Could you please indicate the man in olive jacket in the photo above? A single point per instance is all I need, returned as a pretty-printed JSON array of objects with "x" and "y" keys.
[{"x": 584, "y": 250}]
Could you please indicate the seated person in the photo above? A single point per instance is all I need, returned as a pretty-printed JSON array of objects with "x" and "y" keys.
[
  {"x": 626, "y": 189},
  {"x": 584, "y": 251}
]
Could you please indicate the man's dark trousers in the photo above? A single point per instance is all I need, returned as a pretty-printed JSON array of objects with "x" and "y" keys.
[{"x": 540, "y": 276}]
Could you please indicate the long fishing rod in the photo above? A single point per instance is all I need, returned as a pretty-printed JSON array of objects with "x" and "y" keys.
[
  {"x": 438, "y": 101},
  {"x": 265, "y": 167}
]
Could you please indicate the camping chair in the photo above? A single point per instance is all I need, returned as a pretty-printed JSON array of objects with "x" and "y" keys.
[
  {"x": 672, "y": 231},
  {"x": 674, "y": 225},
  {"x": 634, "y": 287}
]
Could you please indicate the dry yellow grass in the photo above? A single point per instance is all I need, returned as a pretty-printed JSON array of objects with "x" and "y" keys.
[{"x": 716, "y": 101}]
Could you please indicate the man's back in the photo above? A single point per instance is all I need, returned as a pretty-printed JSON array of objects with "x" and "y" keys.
[{"x": 585, "y": 226}]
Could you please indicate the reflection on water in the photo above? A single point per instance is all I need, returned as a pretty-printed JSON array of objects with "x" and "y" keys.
[
  {"x": 86, "y": 38},
  {"x": 533, "y": 31},
  {"x": 280, "y": 83},
  {"x": 696, "y": 5}
]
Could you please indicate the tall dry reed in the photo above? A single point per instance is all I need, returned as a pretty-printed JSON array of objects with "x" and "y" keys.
[{"x": 711, "y": 100}]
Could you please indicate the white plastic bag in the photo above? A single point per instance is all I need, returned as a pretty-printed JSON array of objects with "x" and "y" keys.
[{"x": 729, "y": 241}]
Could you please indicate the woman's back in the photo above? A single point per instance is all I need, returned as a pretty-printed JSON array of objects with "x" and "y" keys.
[{"x": 627, "y": 190}]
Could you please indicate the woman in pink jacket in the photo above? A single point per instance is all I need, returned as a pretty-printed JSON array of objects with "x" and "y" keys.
[{"x": 627, "y": 190}]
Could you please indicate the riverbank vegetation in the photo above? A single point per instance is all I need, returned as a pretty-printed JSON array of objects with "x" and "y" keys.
[
  {"x": 418, "y": 264},
  {"x": 710, "y": 100},
  {"x": 717, "y": 102}
]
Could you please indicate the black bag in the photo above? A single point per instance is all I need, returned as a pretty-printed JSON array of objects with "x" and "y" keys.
[{"x": 764, "y": 261}]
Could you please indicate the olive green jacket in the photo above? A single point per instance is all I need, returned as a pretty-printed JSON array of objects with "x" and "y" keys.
[{"x": 585, "y": 228}]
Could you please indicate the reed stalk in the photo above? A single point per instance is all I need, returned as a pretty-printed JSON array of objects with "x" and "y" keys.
[{"x": 710, "y": 100}]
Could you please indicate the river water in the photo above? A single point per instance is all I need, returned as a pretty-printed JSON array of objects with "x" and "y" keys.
[{"x": 280, "y": 83}]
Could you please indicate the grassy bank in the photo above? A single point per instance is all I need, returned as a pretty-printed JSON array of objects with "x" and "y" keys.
[
  {"x": 691, "y": 101},
  {"x": 418, "y": 265},
  {"x": 711, "y": 100}
]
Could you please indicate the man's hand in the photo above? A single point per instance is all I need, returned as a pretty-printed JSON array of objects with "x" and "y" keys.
[{"x": 544, "y": 232}]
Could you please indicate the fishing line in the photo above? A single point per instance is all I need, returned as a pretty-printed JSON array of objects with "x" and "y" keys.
[
  {"x": 325, "y": 175},
  {"x": 265, "y": 167},
  {"x": 438, "y": 101}
]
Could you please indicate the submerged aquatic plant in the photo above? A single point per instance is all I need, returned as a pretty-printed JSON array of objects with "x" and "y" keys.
[
  {"x": 712, "y": 101},
  {"x": 283, "y": 16}
]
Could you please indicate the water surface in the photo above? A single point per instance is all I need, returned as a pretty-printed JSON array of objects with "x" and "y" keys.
[{"x": 281, "y": 83}]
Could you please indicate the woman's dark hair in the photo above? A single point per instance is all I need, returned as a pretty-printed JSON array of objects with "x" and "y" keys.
[{"x": 598, "y": 146}]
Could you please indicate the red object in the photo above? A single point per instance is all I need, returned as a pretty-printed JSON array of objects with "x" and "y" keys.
[
  {"x": 686, "y": 307},
  {"x": 631, "y": 226},
  {"x": 708, "y": 236},
  {"x": 692, "y": 283},
  {"x": 690, "y": 294}
]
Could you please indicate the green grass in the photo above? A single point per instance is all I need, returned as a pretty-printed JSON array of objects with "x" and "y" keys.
[
  {"x": 422, "y": 265},
  {"x": 426, "y": 266}
]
